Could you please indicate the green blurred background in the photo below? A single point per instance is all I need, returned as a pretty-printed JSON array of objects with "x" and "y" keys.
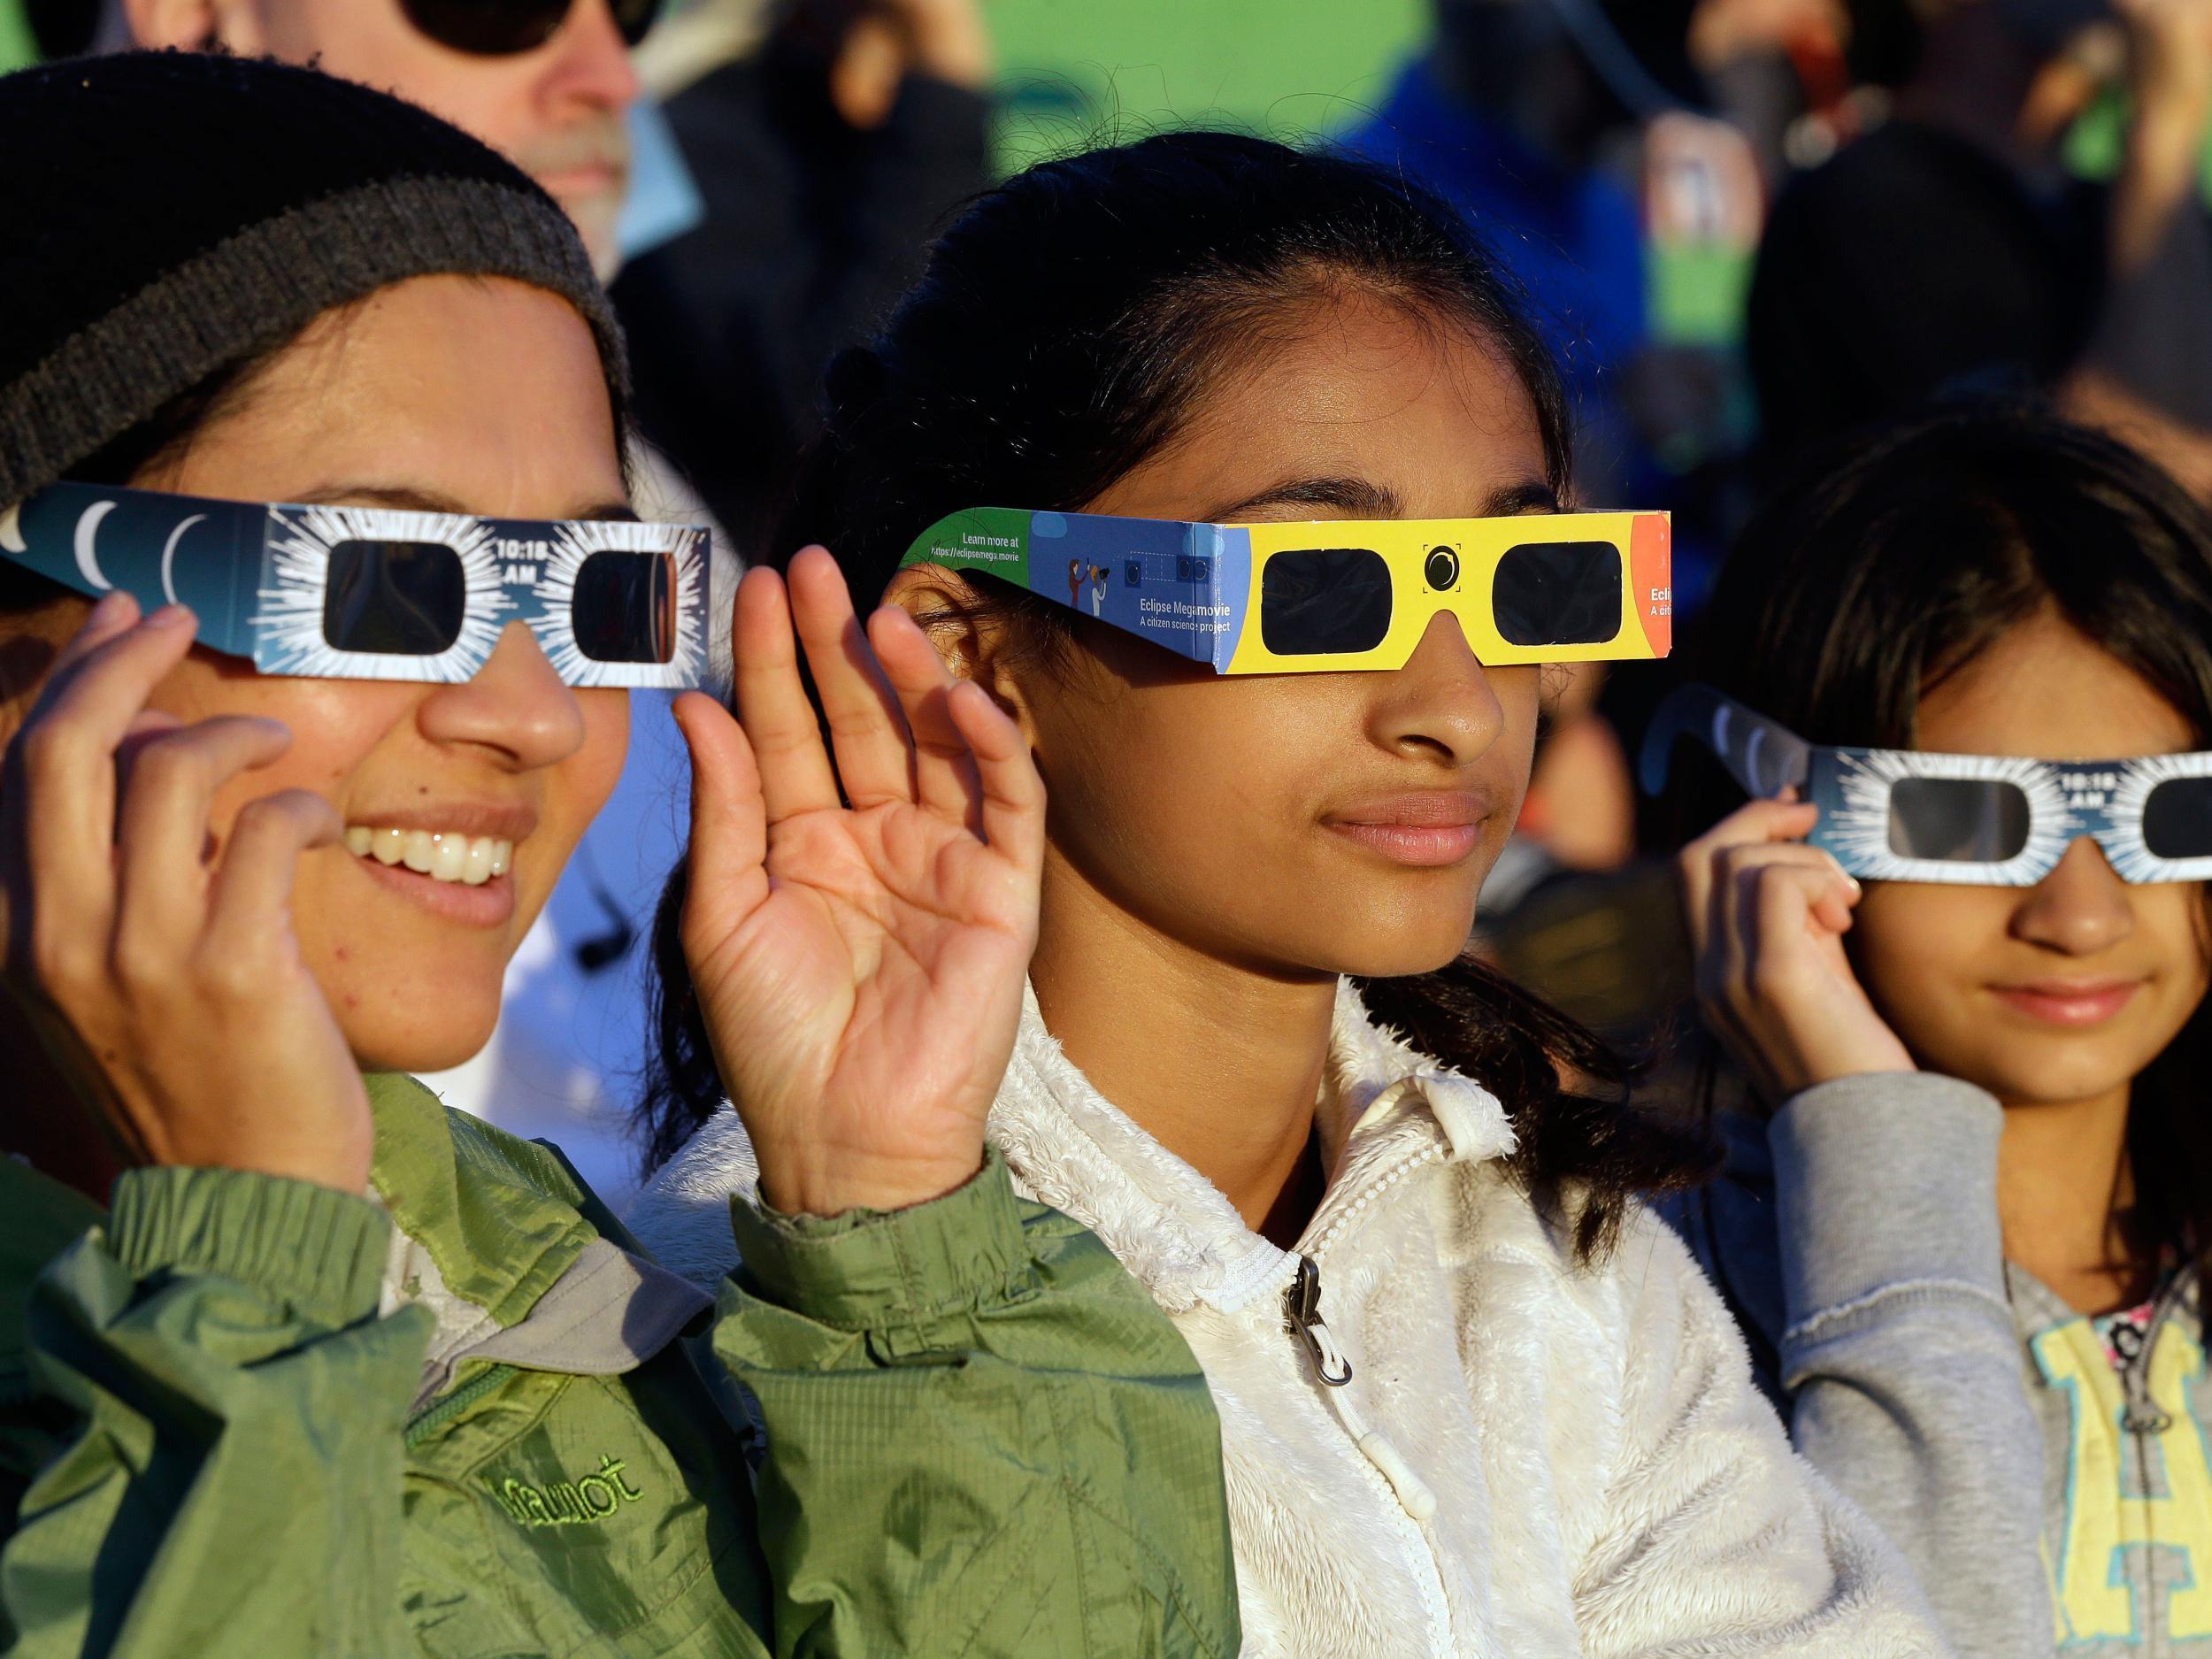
[
  {"x": 15, "y": 37},
  {"x": 1070, "y": 65},
  {"x": 1282, "y": 66}
]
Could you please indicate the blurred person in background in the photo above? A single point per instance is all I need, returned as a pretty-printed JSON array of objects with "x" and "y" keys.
[
  {"x": 545, "y": 82},
  {"x": 1570, "y": 136},
  {"x": 1789, "y": 74},
  {"x": 1953, "y": 248},
  {"x": 1513, "y": 119},
  {"x": 827, "y": 138}
]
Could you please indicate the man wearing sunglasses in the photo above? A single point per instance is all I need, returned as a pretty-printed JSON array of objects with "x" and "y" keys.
[{"x": 546, "y": 81}]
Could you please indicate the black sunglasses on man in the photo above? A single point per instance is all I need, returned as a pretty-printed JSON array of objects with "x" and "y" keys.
[
  {"x": 483, "y": 28},
  {"x": 504, "y": 28}
]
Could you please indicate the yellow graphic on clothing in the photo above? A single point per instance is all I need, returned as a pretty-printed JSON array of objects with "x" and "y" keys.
[{"x": 2106, "y": 1514}]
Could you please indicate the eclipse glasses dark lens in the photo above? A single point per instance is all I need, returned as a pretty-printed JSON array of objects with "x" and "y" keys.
[
  {"x": 625, "y": 608},
  {"x": 1957, "y": 821},
  {"x": 1978, "y": 820},
  {"x": 505, "y": 28},
  {"x": 2177, "y": 818},
  {"x": 1324, "y": 602},
  {"x": 394, "y": 598},
  {"x": 1559, "y": 593}
]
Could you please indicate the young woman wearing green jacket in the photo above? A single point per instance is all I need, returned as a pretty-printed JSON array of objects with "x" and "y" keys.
[{"x": 292, "y": 1359}]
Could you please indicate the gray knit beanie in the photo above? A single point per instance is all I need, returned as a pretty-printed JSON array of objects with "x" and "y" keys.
[{"x": 167, "y": 216}]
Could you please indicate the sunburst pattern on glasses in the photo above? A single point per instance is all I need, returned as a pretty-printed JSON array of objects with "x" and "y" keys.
[
  {"x": 2130, "y": 856},
  {"x": 555, "y": 621},
  {"x": 289, "y": 620},
  {"x": 1858, "y": 829}
]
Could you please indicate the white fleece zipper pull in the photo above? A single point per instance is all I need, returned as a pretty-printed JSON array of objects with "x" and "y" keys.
[
  {"x": 1302, "y": 1303},
  {"x": 1413, "y": 1492}
]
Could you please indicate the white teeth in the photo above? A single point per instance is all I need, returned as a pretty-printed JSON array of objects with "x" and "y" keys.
[
  {"x": 451, "y": 857},
  {"x": 471, "y": 860}
]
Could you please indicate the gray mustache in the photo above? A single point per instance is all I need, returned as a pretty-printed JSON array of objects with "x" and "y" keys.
[{"x": 598, "y": 140}]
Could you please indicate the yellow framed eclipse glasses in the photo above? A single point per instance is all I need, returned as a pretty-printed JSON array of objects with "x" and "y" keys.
[{"x": 1336, "y": 594}]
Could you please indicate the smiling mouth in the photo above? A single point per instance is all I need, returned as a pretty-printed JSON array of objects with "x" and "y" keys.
[
  {"x": 441, "y": 855},
  {"x": 2059, "y": 1003}
]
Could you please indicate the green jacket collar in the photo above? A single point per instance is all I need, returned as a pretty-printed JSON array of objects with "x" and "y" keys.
[{"x": 498, "y": 1215}]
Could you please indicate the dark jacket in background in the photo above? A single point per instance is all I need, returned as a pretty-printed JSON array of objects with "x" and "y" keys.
[
  {"x": 812, "y": 229},
  {"x": 1916, "y": 265},
  {"x": 1911, "y": 265}
]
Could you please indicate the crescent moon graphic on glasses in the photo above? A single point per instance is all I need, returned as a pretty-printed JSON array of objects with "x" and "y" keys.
[
  {"x": 89, "y": 527},
  {"x": 1751, "y": 759},
  {"x": 11, "y": 533},
  {"x": 169, "y": 554}
]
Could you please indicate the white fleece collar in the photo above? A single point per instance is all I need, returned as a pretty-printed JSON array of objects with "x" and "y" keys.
[
  {"x": 1173, "y": 1229},
  {"x": 1071, "y": 1148}
]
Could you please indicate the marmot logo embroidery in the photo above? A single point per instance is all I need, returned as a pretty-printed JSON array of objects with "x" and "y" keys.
[{"x": 569, "y": 1502}]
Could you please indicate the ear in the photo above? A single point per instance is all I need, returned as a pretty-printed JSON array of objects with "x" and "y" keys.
[
  {"x": 969, "y": 634},
  {"x": 195, "y": 25}
]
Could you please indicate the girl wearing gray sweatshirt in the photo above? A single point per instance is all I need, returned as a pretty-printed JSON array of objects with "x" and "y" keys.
[{"x": 1956, "y": 955}]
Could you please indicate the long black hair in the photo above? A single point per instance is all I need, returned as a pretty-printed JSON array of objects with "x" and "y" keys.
[
  {"x": 1065, "y": 327},
  {"x": 1875, "y": 577}
]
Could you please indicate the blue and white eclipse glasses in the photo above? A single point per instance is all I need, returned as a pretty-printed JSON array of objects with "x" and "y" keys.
[
  {"x": 1976, "y": 820},
  {"x": 378, "y": 593}
]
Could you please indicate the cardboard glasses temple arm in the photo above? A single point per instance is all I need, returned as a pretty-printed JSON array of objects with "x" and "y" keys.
[
  {"x": 161, "y": 549},
  {"x": 1762, "y": 755}
]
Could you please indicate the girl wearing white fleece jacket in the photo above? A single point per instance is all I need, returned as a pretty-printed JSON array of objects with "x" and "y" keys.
[
  {"x": 1970, "y": 1181},
  {"x": 1475, "y": 1401}
]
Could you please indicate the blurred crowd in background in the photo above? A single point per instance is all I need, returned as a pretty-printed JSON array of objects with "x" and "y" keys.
[{"x": 1748, "y": 226}]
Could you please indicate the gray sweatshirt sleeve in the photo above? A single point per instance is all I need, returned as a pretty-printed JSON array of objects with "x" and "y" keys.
[{"x": 1907, "y": 1383}]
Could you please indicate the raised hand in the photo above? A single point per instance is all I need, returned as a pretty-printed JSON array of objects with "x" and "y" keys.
[
  {"x": 2169, "y": 87},
  {"x": 165, "y": 980},
  {"x": 2169, "y": 59},
  {"x": 1767, "y": 915},
  {"x": 858, "y": 954},
  {"x": 882, "y": 42}
]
